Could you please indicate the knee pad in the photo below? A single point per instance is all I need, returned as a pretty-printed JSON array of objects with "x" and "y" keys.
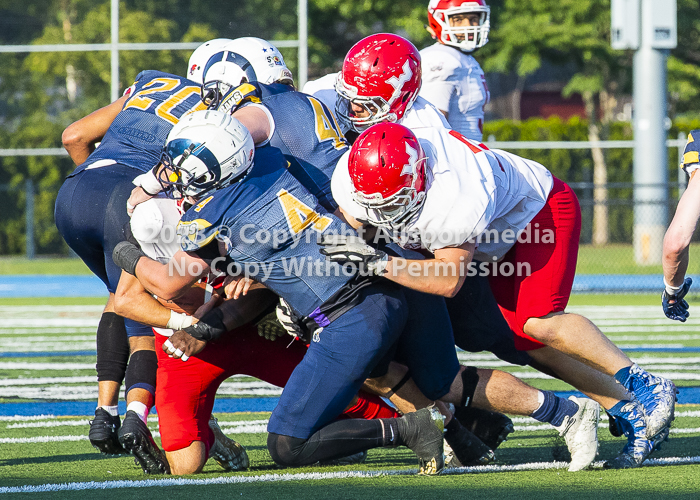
[
  {"x": 112, "y": 348},
  {"x": 141, "y": 372},
  {"x": 470, "y": 378},
  {"x": 284, "y": 450}
]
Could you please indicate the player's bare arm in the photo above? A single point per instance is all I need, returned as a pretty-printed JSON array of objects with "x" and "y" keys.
[
  {"x": 679, "y": 233},
  {"x": 133, "y": 301},
  {"x": 171, "y": 280},
  {"x": 443, "y": 275},
  {"x": 80, "y": 138},
  {"x": 256, "y": 121}
]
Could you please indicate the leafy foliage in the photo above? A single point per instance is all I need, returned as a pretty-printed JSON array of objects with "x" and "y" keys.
[{"x": 41, "y": 93}]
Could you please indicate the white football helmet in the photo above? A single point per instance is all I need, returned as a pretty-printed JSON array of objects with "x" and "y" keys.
[
  {"x": 205, "y": 150},
  {"x": 200, "y": 56},
  {"x": 246, "y": 59}
]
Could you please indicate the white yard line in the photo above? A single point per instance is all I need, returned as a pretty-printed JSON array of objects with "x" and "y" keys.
[
  {"x": 313, "y": 476},
  {"x": 79, "y": 392},
  {"x": 49, "y": 322},
  {"x": 13, "y": 382},
  {"x": 23, "y": 365}
]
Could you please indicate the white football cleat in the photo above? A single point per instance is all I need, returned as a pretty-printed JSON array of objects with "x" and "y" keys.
[{"x": 581, "y": 433}]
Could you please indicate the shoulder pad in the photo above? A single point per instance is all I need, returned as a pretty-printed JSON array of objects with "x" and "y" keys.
[
  {"x": 235, "y": 98},
  {"x": 195, "y": 234},
  {"x": 691, "y": 153}
]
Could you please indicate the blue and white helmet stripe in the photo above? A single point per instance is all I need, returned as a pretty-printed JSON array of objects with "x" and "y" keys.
[{"x": 177, "y": 147}]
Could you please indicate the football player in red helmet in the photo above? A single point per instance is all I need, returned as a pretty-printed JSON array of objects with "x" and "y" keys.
[
  {"x": 380, "y": 79},
  {"x": 390, "y": 184},
  {"x": 497, "y": 208},
  {"x": 453, "y": 80},
  {"x": 463, "y": 24}
]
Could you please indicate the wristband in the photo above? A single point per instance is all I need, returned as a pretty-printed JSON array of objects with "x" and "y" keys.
[
  {"x": 178, "y": 321},
  {"x": 672, "y": 290},
  {"x": 126, "y": 255},
  {"x": 149, "y": 183},
  {"x": 210, "y": 326}
]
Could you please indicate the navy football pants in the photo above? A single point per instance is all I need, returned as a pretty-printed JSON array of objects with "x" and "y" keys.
[{"x": 90, "y": 215}]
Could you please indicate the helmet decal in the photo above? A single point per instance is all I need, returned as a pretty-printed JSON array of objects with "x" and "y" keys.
[{"x": 398, "y": 82}]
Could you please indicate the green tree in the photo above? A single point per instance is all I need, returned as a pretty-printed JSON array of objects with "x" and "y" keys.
[{"x": 565, "y": 32}]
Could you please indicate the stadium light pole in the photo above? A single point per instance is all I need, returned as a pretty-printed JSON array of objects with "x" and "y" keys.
[
  {"x": 303, "y": 35},
  {"x": 114, "y": 50},
  {"x": 649, "y": 27}
]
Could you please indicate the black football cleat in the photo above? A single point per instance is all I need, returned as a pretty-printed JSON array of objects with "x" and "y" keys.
[
  {"x": 464, "y": 449},
  {"x": 229, "y": 454},
  {"x": 422, "y": 432},
  {"x": 491, "y": 427},
  {"x": 103, "y": 433},
  {"x": 613, "y": 426},
  {"x": 137, "y": 440}
]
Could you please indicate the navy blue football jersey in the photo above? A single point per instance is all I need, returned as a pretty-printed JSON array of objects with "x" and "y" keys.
[
  {"x": 136, "y": 137},
  {"x": 305, "y": 131},
  {"x": 269, "y": 224}
]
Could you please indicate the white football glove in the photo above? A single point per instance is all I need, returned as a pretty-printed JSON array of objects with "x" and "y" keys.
[
  {"x": 291, "y": 321},
  {"x": 343, "y": 248}
]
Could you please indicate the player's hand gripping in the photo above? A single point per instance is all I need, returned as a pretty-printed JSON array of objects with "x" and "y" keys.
[
  {"x": 182, "y": 345},
  {"x": 675, "y": 306},
  {"x": 270, "y": 328},
  {"x": 236, "y": 286},
  {"x": 138, "y": 195},
  {"x": 343, "y": 248},
  {"x": 291, "y": 321}
]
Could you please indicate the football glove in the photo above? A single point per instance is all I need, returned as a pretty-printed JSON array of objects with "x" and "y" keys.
[
  {"x": 291, "y": 321},
  {"x": 270, "y": 328},
  {"x": 343, "y": 249},
  {"x": 679, "y": 309}
]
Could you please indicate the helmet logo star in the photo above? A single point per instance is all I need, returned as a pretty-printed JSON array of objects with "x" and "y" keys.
[
  {"x": 399, "y": 82},
  {"x": 410, "y": 167}
]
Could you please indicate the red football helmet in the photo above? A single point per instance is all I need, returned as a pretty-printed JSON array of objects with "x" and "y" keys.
[
  {"x": 387, "y": 169},
  {"x": 465, "y": 38},
  {"x": 381, "y": 74}
]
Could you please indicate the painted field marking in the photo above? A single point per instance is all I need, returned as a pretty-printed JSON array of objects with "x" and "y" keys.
[{"x": 313, "y": 476}]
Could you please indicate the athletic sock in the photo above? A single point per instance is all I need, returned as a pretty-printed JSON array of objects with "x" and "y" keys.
[
  {"x": 139, "y": 408},
  {"x": 554, "y": 409},
  {"x": 112, "y": 410},
  {"x": 370, "y": 406}
]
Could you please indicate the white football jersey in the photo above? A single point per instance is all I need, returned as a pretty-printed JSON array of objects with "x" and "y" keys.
[
  {"x": 420, "y": 114},
  {"x": 455, "y": 83},
  {"x": 154, "y": 224},
  {"x": 473, "y": 193}
]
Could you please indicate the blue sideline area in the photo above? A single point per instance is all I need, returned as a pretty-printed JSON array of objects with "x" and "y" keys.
[
  {"x": 91, "y": 286},
  {"x": 49, "y": 285}
]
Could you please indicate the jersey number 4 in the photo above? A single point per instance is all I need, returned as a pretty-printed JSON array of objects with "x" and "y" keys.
[
  {"x": 327, "y": 128},
  {"x": 299, "y": 215}
]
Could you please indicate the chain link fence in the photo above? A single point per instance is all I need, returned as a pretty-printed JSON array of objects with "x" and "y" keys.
[{"x": 607, "y": 265}]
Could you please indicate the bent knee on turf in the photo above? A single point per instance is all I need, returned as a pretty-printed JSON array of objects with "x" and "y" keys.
[
  {"x": 285, "y": 450},
  {"x": 189, "y": 460}
]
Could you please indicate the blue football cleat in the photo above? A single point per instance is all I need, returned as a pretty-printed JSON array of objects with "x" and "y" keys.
[
  {"x": 657, "y": 395},
  {"x": 638, "y": 447}
]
